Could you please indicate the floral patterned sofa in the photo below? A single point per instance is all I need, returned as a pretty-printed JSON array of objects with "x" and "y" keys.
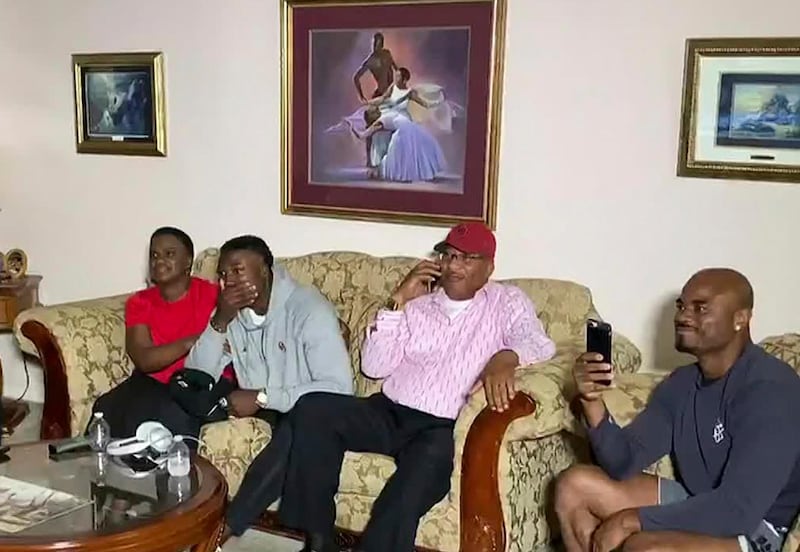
[
  {"x": 504, "y": 463},
  {"x": 633, "y": 391}
]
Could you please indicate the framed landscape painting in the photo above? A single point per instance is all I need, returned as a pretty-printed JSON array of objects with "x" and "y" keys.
[
  {"x": 119, "y": 103},
  {"x": 391, "y": 110},
  {"x": 741, "y": 109}
]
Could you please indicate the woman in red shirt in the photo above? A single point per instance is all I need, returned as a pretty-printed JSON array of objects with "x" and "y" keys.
[{"x": 162, "y": 323}]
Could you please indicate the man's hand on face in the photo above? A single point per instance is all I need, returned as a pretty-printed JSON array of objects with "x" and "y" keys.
[
  {"x": 498, "y": 380},
  {"x": 415, "y": 284},
  {"x": 235, "y": 294},
  {"x": 242, "y": 402}
]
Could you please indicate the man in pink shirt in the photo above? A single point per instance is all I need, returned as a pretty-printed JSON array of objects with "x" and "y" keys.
[{"x": 432, "y": 348}]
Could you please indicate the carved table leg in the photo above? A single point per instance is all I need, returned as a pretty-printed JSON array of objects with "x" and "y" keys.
[{"x": 213, "y": 541}]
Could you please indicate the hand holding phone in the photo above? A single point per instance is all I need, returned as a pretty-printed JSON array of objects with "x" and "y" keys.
[
  {"x": 598, "y": 340},
  {"x": 432, "y": 284},
  {"x": 417, "y": 282}
]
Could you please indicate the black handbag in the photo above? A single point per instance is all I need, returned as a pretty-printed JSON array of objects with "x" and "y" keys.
[{"x": 199, "y": 395}]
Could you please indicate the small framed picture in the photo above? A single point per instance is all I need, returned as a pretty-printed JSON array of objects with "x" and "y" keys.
[
  {"x": 741, "y": 109},
  {"x": 119, "y": 103}
]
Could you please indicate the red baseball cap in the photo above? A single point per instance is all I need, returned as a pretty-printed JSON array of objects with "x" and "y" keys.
[{"x": 470, "y": 238}]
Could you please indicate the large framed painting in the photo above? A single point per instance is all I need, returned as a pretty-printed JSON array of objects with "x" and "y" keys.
[
  {"x": 119, "y": 103},
  {"x": 391, "y": 109},
  {"x": 741, "y": 109}
]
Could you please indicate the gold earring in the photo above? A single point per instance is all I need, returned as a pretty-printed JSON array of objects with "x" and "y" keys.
[{"x": 738, "y": 327}]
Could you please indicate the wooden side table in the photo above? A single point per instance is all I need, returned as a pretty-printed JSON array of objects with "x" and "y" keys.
[{"x": 15, "y": 297}]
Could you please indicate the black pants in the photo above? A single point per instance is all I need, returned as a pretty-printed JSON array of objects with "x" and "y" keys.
[
  {"x": 263, "y": 482},
  {"x": 141, "y": 398},
  {"x": 326, "y": 425}
]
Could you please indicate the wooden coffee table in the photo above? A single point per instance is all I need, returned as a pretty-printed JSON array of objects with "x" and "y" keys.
[{"x": 154, "y": 513}]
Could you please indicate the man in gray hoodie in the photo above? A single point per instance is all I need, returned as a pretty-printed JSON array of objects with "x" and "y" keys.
[{"x": 284, "y": 341}]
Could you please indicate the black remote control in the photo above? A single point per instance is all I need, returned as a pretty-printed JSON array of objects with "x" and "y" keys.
[{"x": 75, "y": 444}]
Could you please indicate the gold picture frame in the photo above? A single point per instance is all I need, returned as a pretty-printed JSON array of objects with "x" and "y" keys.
[
  {"x": 309, "y": 41},
  {"x": 740, "y": 113},
  {"x": 120, "y": 103}
]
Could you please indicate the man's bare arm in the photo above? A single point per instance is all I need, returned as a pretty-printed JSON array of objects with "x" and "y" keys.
[{"x": 357, "y": 79}]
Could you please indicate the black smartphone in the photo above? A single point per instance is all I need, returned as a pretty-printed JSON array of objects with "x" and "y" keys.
[
  {"x": 598, "y": 340},
  {"x": 432, "y": 284}
]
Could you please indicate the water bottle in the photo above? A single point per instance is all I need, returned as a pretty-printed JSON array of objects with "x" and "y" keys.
[
  {"x": 100, "y": 468},
  {"x": 178, "y": 460},
  {"x": 99, "y": 433},
  {"x": 179, "y": 487}
]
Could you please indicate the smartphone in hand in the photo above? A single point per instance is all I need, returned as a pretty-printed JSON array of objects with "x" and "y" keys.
[
  {"x": 598, "y": 340},
  {"x": 434, "y": 282}
]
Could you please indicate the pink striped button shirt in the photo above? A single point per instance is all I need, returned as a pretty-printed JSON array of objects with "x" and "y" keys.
[{"x": 431, "y": 362}]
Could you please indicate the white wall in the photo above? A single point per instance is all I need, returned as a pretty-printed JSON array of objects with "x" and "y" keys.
[{"x": 587, "y": 183}]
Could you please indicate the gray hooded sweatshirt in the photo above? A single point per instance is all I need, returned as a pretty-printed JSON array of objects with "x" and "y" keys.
[{"x": 297, "y": 349}]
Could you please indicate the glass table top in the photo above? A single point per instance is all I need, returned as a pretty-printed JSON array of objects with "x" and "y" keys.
[{"x": 93, "y": 493}]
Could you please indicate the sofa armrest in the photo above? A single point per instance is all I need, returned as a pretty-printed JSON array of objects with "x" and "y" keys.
[
  {"x": 625, "y": 356},
  {"x": 81, "y": 347},
  {"x": 624, "y": 401},
  {"x": 480, "y": 434},
  {"x": 550, "y": 385},
  {"x": 547, "y": 383}
]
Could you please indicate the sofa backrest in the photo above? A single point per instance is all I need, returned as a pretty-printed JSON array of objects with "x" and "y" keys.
[
  {"x": 345, "y": 278},
  {"x": 786, "y": 347}
]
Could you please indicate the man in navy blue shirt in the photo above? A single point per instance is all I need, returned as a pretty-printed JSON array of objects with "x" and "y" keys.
[{"x": 731, "y": 423}]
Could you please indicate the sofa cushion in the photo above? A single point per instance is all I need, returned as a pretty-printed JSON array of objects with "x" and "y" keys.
[
  {"x": 365, "y": 473},
  {"x": 233, "y": 444}
]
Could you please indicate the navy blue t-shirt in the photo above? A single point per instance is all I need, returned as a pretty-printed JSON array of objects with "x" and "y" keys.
[{"x": 734, "y": 441}]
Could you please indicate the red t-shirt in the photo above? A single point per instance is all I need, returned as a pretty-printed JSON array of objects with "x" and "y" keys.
[{"x": 169, "y": 322}]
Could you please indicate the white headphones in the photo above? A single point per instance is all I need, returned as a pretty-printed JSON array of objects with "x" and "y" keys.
[{"x": 149, "y": 434}]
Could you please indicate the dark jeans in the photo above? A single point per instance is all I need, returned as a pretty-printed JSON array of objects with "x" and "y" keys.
[
  {"x": 263, "y": 482},
  {"x": 326, "y": 425},
  {"x": 141, "y": 398}
]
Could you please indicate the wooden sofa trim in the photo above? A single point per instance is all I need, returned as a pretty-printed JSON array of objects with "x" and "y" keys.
[
  {"x": 55, "y": 415},
  {"x": 482, "y": 523}
]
